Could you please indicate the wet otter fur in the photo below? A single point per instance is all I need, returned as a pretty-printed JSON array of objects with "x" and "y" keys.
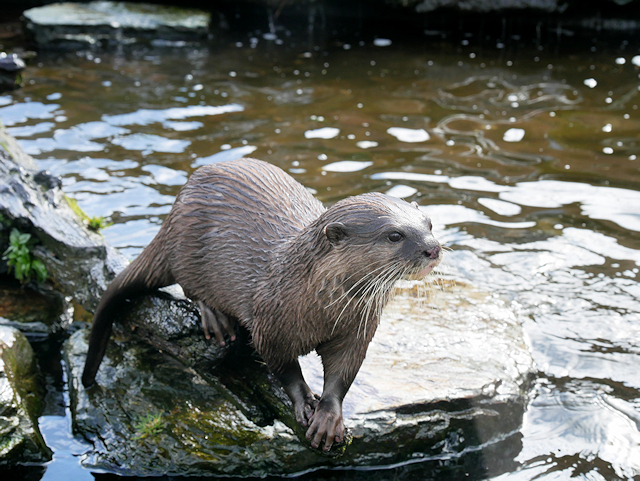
[{"x": 245, "y": 240}]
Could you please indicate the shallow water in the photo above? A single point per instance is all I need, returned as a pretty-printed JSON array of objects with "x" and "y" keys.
[{"x": 526, "y": 158}]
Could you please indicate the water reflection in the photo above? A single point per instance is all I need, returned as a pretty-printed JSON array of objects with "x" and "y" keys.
[
  {"x": 496, "y": 96},
  {"x": 592, "y": 429},
  {"x": 529, "y": 168}
]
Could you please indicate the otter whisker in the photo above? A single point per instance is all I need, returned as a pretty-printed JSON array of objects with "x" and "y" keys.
[
  {"x": 357, "y": 284},
  {"x": 377, "y": 297},
  {"x": 370, "y": 292},
  {"x": 367, "y": 295},
  {"x": 374, "y": 306},
  {"x": 362, "y": 280},
  {"x": 371, "y": 300}
]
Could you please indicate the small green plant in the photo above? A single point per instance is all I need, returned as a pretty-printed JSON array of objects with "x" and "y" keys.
[
  {"x": 149, "y": 425},
  {"x": 97, "y": 223},
  {"x": 19, "y": 259},
  {"x": 94, "y": 223}
]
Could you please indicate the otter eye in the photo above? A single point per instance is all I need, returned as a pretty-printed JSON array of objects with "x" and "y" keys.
[{"x": 395, "y": 237}]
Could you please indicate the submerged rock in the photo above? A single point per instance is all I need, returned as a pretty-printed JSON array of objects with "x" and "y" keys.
[
  {"x": 20, "y": 402},
  {"x": 103, "y": 23},
  {"x": 11, "y": 67}
]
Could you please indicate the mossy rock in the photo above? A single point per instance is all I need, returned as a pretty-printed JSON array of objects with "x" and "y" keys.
[
  {"x": 447, "y": 373},
  {"x": 21, "y": 402},
  {"x": 199, "y": 430}
]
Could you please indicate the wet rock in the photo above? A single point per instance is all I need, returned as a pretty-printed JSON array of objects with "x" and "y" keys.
[
  {"x": 11, "y": 67},
  {"x": 11, "y": 151},
  {"x": 20, "y": 402},
  {"x": 171, "y": 323},
  {"x": 64, "y": 240},
  {"x": 79, "y": 262},
  {"x": 11, "y": 63},
  {"x": 199, "y": 430},
  {"x": 100, "y": 24},
  {"x": 447, "y": 372},
  {"x": 35, "y": 314},
  {"x": 447, "y": 344}
]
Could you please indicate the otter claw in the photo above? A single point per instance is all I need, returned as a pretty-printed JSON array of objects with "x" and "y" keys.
[
  {"x": 304, "y": 415},
  {"x": 217, "y": 322}
]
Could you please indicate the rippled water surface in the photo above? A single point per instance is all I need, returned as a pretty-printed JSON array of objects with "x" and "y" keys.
[{"x": 526, "y": 158}]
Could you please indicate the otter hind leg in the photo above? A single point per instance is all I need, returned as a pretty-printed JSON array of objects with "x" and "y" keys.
[{"x": 216, "y": 322}]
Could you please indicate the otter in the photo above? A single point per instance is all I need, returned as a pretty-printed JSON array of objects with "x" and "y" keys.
[{"x": 246, "y": 241}]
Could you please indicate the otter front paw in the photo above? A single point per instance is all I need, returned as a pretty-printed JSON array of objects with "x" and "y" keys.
[
  {"x": 326, "y": 424},
  {"x": 216, "y": 322}
]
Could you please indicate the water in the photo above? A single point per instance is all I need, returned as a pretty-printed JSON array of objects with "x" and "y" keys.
[{"x": 525, "y": 157}]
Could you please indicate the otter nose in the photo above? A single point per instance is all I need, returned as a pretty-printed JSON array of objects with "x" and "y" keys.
[{"x": 433, "y": 252}]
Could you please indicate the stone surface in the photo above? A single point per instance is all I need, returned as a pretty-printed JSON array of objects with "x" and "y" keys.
[
  {"x": 35, "y": 314},
  {"x": 110, "y": 23},
  {"x": 11, "y": 151},
  {"x": 448, "y": 371},
  {"x": 20, "y": 402},
  {"x": 439, "y": 344},
  {"x": 34, "y": 202},
  {"x": 202, "y": 431}
]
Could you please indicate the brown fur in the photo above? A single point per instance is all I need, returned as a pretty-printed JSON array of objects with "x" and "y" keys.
[{"x": 245, "y": 239}]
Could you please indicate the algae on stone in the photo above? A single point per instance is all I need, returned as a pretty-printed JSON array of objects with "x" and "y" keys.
[{"x": 202, "y": 431}]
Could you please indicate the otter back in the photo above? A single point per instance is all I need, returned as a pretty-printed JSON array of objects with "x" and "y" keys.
[{"x": 224, "y": 226}]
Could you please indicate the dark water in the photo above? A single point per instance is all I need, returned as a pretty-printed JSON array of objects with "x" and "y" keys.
[{"x": 526, "y": 157}]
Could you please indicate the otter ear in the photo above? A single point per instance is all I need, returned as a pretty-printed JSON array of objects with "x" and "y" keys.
[
  {"x": 335, "y": 232},
  {"x": 415, "y": 204}
]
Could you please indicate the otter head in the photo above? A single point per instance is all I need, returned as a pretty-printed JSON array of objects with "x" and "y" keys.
[{"x": 384, "y": 235}]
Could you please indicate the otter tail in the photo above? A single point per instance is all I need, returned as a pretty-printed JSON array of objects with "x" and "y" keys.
[{"x": 147, "y": 272}]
